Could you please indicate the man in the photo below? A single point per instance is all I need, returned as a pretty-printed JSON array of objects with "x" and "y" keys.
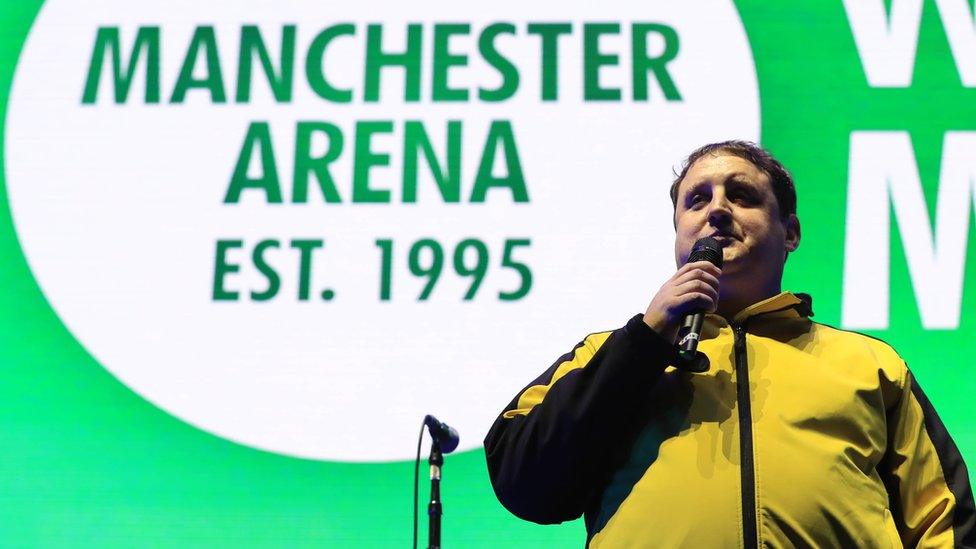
[{"x": 799, "y": 434}]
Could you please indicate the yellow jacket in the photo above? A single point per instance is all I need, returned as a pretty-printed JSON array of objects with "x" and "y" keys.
[{"x": 799, "y": 434}]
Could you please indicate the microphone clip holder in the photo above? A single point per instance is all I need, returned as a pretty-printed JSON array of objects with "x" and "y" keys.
[
  {"x": 434, "y": 508},
  {"x": 696, "y": 363}
]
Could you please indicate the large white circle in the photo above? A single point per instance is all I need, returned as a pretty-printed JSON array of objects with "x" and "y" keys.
[{"x": 119, "y": 207}]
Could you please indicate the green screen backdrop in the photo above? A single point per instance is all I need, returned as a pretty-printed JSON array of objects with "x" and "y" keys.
[{"x": 229, "y": 295}]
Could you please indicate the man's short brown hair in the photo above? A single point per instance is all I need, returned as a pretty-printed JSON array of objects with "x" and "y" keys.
[{"x": 779, "y": 177}]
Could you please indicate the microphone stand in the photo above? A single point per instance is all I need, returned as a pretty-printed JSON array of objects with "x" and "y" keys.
[{"x": 434, "y": 508}]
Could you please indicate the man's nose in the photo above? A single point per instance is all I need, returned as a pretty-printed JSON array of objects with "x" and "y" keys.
[{"x": 718, "y": 211}]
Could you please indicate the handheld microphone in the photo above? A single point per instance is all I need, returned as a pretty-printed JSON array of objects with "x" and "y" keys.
[
  {"x": 442, "y": 433},
  {"x": 705, "y": 249}
]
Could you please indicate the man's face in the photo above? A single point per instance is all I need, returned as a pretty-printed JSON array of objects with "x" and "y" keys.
[{"x": 729, "y": 198}]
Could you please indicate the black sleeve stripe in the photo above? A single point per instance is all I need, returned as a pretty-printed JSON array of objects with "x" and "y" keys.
[
  {"x": 546, "y": 376},
  {"x": 566, "y": 365},
  {"x": 953, "y": 469}
]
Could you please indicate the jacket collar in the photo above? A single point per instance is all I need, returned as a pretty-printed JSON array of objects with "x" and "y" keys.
[{"x": 786, "y": 304}]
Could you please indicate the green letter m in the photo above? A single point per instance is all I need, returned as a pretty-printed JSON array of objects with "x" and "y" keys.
[{"x": 147, "y": 39}]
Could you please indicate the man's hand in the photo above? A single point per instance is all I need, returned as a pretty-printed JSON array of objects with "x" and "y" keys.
[{"x": 693, "y": 288}]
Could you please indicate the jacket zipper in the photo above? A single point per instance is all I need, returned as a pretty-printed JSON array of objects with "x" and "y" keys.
[{"x": 747, "y": 466}]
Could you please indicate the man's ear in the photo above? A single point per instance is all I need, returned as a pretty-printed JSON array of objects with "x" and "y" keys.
[{"x": 792, "y": 233}]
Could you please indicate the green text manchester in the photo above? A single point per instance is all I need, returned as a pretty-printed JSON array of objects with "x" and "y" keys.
[{"x": 432, "y": 61}]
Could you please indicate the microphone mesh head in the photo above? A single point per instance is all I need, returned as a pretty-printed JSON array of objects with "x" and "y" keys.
[{"x": 706, "y": 249}]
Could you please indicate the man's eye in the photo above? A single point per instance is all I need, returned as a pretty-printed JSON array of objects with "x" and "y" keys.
[
  {"x": 698, "y": 198},
  {"x": 741, "y": 196}
]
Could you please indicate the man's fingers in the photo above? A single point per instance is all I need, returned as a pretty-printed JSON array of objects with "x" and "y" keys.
[
  {"x": 701, "y": 266},
  {"x": 697, "y": 286},
  {"x": 704, "y": 265},
  {"x": 696, "y": 301},
  {"x": 694, "y": 287},
  {"x": 696, "y": 275}
]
